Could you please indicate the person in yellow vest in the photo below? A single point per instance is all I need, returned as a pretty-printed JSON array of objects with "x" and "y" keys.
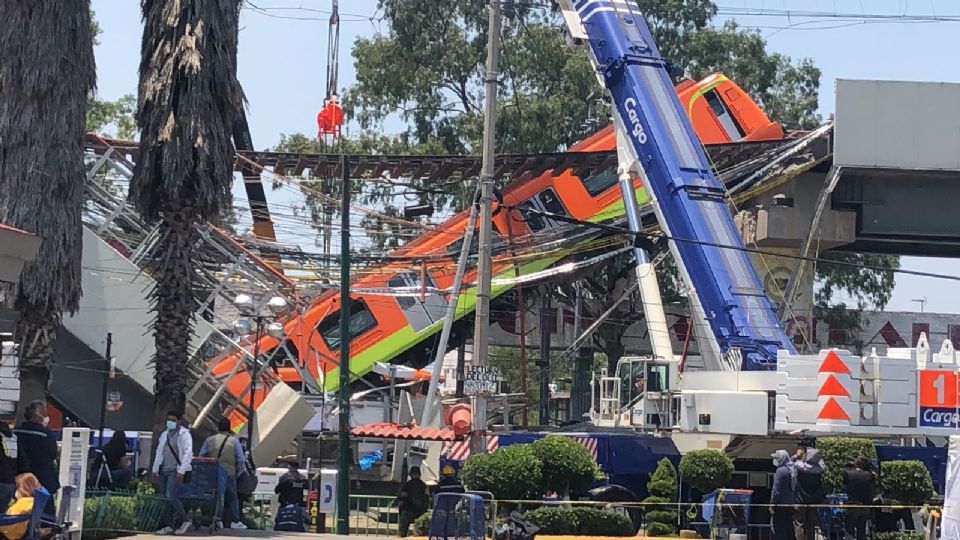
[{"x": 22, "y": 504}]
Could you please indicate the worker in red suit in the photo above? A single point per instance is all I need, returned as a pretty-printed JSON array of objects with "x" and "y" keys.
[{"x": 330, "y": 118}]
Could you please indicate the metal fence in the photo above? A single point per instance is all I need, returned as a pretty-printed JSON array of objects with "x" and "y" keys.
[{"x": 108, "y": 512}]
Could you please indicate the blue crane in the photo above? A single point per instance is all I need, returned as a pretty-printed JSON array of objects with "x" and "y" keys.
[{"x": 688, "y": 198}]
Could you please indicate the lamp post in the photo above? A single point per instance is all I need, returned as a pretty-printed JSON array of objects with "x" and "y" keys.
[{"x": 253, "y": 323}]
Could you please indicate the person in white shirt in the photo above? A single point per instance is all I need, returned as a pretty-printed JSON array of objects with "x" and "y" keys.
[{"x": 172, "y": 462}]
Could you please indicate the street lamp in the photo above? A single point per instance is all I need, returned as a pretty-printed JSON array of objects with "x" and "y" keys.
[{"x": 255, "y": 322}]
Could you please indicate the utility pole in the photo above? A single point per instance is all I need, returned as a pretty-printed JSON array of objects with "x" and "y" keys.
[
  {"x": 343, "y": 443},
  {"x": 544, "y": 362},
  {"x": 106, "y": 379},
  {"x": 478, "y": 437}
]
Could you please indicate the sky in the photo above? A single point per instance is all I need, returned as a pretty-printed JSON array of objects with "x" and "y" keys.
[{"x": 283, "y": 50}]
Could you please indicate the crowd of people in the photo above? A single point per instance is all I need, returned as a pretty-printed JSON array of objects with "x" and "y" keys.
[{"x": 799, "y": 493}]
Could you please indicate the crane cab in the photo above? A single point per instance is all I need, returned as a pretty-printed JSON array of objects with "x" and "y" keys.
[{"x": 643, "y": 393}]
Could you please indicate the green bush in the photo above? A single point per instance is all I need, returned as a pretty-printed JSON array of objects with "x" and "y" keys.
[
  {"x": 580, "y": 521},
  {"x": 898, "y": 535},
  {"x": 568, "y": 468},
  {"x": 421, "y": 525},
  {"x": 555, "y": 521},
  {"x": 107, "y": 515},
  {"x": 660, "y": 519},
  {"x": 907, "y": 481},
  {"x": 706, "y": 470},
  {"x": 511, "y": 473},
  {"x": 837, "y": 452}
]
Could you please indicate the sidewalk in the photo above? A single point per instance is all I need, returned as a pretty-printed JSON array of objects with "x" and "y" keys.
[{"x": 261, "y": 534}]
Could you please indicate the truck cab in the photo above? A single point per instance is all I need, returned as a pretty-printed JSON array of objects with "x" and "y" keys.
[{"x": 643, "y": 393}]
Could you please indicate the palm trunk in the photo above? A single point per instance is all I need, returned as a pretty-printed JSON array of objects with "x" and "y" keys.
[
  {"x": 46, "y": 76},
  {"x": 175, "y": 306},
  {"x": 36, "y": 332}
]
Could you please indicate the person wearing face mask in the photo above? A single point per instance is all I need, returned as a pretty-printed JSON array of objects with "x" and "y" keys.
[
  {"x": 783, "y": 496},
  {"x": 170, "y": 466},
  {"x": 37, "y": 449}
]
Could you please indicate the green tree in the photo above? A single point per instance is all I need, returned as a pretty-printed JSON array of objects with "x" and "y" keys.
[
  {"x": 189, "y": 95},
  {"x": 838, "y": 453},
  {"x": 870, "y": 288},
  {"x": 661, "y": 519},
  {"x": 113, "y": 118},
  {"x": 511, "y": 473},
  {"x": 706, "y": 470},
  {"x": 46, "y": 77},
  {"x": 568, "y": 468}
]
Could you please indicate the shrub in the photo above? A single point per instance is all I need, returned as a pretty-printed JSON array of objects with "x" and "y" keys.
[
  {"x": 706, "y": 470},
  {"x": 511, "y": 473},
  {"x": 568, "y": 468},
  {"x": 907, "y": 481},
  {"x": 556, "y": 521},
  {"x": 837, "y": 452},
  {"x": 660, "y": 519},
  {"x": 106, "y": 515},
  {"x": 581, "y": 521},
  {"x": 898, "y": 535},
  {"x": 421, "y": 525}
]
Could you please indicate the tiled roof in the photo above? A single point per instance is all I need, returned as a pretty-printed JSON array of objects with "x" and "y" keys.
[{"x": 392, "y": 430}]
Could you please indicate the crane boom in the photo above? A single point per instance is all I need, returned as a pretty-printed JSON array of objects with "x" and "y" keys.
[{"x": 688, "y": 198}]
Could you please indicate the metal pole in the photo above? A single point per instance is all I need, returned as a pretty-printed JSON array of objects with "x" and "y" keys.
[
  {"x": 478, "y": 437},
  {"x": 429, "y": 410},
  {"x": 343, "y": 459},
  {"x": 106, "y": 380},
  {"x": 254, "y": 373},
  {"x": 544, "y": 361}
]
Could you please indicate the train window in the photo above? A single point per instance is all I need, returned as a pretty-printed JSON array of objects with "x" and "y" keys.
[
  {"x": 455, "y": 246},
  {"x": 551, "y": 203},
  {"x": 411, "y": 284},
  {"x": 600, "y": 182},
  {"x": 729, "y": 123},
  {"x": 361, "y": 321}
]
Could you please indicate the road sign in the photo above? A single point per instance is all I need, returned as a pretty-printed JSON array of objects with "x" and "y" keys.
[
  {"x": 481, "y": 380},
  {"x": 938, "y": 399}
]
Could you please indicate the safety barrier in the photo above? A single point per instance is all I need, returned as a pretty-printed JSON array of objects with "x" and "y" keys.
[{"x": 108, "y": 512}]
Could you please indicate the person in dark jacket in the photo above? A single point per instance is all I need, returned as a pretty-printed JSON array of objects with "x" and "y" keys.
[
  {"x": 782, "y": 497},
  {"x": 860, "y": 485},
  {"x": 810, "y": 492},
  {"x": 291, "y": 486},
  {"x": 37, "y": 449},
  {"x": 412, "y": 500}
]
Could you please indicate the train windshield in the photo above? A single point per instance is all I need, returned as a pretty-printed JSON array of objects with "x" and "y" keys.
[
  {"x": 361, "y": 320},
  {"x": 729, "y": 123}
]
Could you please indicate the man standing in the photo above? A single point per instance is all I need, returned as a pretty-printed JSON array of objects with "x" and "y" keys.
[
  {"x": 291, "y": 486},
  {"x": 810, "y": 491},
  {"x": 860, "y": 485},
  {"x": 172, "y": 462},
  {"x": 37, "y": 449},
  {"x": 782, "y": 496},
  {"x": 226, "y": 449}
]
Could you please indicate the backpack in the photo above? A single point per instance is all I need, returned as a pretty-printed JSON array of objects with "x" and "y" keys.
[
  {"x": 810, "y": 489},
  {"x": 246, "y": 479},
  {"x": 291, "y": 518}
]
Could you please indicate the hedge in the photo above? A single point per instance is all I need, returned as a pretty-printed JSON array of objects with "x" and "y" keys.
[
  {"x": 837, "y": 453},
  {"x": 580, "y": 521},
  {"x": 706, "y": 470},
  {"x": 907, "y": 481}
]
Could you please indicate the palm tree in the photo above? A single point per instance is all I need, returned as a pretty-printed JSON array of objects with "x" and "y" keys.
[
  {"x": 47, "y": 72},
  {"x": 188, "y": 97}
]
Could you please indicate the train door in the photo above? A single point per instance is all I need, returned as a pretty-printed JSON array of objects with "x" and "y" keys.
[{"x": 419, "y": 314}]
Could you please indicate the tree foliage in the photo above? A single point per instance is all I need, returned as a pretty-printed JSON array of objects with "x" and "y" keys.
[
  {"x": 907, "y": 481},
  {"x": 660, "y": 518},
  {"x": 46, "y": 75},
  {"x": 838, "y": 453},
  {"x": 511, "y": 473},
  {"x": 706, "y": 470},
  {"x": 568, "y": 468}
]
